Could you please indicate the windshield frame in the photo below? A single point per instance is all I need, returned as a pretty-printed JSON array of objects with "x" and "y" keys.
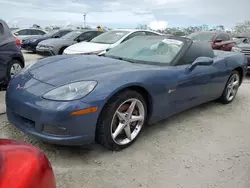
[
  {"x": 105, "y": 33},
  {"x": 186, "y": 43},
  {"x": 75, "y": 36},
  {"x": 51, "y": 33}
]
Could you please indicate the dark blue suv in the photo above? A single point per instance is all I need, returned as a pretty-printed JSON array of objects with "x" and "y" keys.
[
  {"x": 30, "y": 43},
  {"x": 11, "y": 57}
]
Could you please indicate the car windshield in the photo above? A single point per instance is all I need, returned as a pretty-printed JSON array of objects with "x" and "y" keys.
[
  {"x": 50, "y": 34},
  {"x": 110, "y": 37},
  {"x": 72, "y": 35},
  {"x": 147, "y": 50},
  {"x": 202, "y": 36}
]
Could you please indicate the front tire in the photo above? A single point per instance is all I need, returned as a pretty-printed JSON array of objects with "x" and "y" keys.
[
  {"x": 231, "y": 88},
  {"x": 121, "y": 120}
]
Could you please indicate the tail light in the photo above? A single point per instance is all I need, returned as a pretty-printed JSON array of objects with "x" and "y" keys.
[{"x": 17, "y": 41}]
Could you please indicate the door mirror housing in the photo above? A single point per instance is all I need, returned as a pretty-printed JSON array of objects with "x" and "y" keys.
[
  {"x": 201, "y": 61},
  {"x": 218, "y": 40},
  {"x": 16, "y": 34},
  {"x": 57, "y": 36}
]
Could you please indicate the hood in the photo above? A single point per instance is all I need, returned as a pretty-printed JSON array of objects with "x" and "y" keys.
[
  {"x": 51, "y": 42},
  {"x": 39, "y": 38},
  {"x": 85, "y": 47},
  {"x": 68, "y": 69},
  {"x": 243, "y": 45}
]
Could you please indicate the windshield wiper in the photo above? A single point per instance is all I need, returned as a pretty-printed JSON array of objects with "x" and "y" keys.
[{"x": 120, "y": 58}]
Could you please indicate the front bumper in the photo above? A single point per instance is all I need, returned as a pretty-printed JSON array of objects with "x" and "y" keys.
[
  {"x": 28, "y": 47},
  {"x": 50, "y": 121}
]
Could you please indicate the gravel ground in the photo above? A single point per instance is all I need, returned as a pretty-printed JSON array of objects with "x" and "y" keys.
[{"x": 205, "y": 147}]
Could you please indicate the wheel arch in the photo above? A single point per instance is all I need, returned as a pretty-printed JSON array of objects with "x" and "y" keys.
[
  {"x": 138, "y": 88},
  {"x": 19, "y": 59},
  {"x": 240, "y": 71},
  {"x": 60, "y": 52}
]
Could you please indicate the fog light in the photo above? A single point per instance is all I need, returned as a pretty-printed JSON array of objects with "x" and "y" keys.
[{"x": 56, "y": 130}]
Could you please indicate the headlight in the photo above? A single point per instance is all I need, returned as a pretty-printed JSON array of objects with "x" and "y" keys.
[
  {"x": 49, "y": 47},
  {"x": 33, "y": 40},
  {"x": 236, "y": 49},
  {"x": 72, "y": 91}
]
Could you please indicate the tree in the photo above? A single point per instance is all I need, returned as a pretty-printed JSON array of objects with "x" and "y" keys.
[
  {"x": 142, "y": 26},
  {"x": 220, "y": 28},
  {"x": 242, "y": 28}
]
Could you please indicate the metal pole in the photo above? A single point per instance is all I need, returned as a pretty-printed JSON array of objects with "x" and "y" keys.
[{"x": 84, "y": 15}]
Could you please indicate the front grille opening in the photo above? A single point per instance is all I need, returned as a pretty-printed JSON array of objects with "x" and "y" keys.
[{"x": 25, "y": 121}]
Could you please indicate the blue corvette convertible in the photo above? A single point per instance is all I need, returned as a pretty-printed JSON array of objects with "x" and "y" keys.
[{"x": 76, "y": 100}]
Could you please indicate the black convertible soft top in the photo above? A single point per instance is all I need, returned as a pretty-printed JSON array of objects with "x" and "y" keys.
[{"x": 5, "y": 34}]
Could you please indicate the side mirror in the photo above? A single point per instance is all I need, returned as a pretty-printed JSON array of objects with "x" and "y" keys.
[
  {"x": 78, "y": 40},
  {"x": 16, "y": 34},
  {"x": 56, "y": 36},
  {"x": 202, "y": 61},
  {"x": 218, "y": 40}
]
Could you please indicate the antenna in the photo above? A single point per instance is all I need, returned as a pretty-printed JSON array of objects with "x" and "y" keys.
[{"x": 84, "y": 15}]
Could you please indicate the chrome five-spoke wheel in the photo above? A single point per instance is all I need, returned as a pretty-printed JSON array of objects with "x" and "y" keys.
[
  {"x": 121, "y": 120},
  {"x": 127, "y": 121},
  {"x": 233, "y": 86}
]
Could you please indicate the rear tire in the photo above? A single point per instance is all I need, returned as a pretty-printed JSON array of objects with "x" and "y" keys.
[
  {"x": 121, "y": 111},
  {"x": 231, "y": 88},
  {"x": 14, "y": 66}
]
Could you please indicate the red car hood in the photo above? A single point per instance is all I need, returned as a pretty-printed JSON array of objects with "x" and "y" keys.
[{"x": 24, "y": 166}]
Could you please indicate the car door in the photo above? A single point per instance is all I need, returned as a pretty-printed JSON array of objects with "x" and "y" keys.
[{"x": 197, "y": 86}]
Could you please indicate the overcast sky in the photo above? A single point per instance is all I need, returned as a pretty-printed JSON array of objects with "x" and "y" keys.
[{"x": 125, "y": 13}]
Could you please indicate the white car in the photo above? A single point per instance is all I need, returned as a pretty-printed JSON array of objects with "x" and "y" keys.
[
  {"x": 102, "y": 43},
  {"x": 23, "y": 33}
]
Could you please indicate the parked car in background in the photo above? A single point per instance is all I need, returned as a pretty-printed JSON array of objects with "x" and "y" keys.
[
  {"x": 244, "y": 48},
  {"x": 218, "y": 40},
  {"x": 24, "y": 166},
  {"x": 30, "y": 43},
  {"x": 76, "y": 100},
  {"x": 51, "y": 47},
  {"x": 106, "y": 41},
  {"x": 26, "y": 32},
  {"x": 11, "y": 57}
]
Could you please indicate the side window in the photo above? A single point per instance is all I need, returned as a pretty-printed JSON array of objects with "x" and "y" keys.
[
  {"x": 197, "y": 49},
  {"x": 150, "y": 33},
  {"x": 87, "y": 36},
  {"x": 36, "y": 32},
  {"x": 138, "y": 33},
  {"x": 24, "y": 32}
]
